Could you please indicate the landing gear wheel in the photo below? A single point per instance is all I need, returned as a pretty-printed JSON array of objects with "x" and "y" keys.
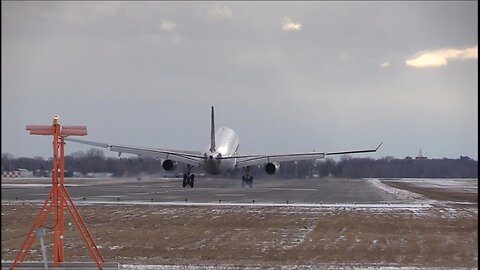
[
  {"x": 188, "y": 179},
  {"x": 250, "y": 181},
  {"x": 247, "y": 181}
]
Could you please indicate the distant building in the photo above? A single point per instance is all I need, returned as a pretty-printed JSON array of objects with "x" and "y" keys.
[
  {"x": 420, "y": 156},
  {"x": 408, "y": 158},
  {"x": 49, "y": 173},
  {"x": 389, "y": 158},
  {"x": 17, "y": 174},
  {"x": 99, "y": 175},
  {"x": 14, "y": 174},
  {"x": 41, "y": 173},
  {"x": 465, "y": 158}
]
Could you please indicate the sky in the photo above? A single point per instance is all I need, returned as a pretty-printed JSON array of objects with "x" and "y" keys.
[{"x": 286, "y": 76}]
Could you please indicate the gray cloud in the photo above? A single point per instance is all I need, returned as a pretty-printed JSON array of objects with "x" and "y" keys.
[
  {"x": 112, "y": 67},
  {"x": 220, "y": 10}
]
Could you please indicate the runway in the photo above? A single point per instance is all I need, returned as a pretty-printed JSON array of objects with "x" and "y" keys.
[{"x": 207, "y": 190}]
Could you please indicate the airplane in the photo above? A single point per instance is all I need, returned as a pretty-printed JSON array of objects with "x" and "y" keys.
[{"x": 219, "y": 156}]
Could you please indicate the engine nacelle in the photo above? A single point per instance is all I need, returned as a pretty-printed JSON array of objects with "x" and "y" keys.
[
  {"x": 169, "y": 165},
  {"x": 271, "y": 168}
]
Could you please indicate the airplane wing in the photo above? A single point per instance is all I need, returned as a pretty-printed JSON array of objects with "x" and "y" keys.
[
  {"x": 250, "y": 160},
  {"x": 187, "y": 157}
]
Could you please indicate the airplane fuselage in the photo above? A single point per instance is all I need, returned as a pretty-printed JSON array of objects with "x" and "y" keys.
[
  {"x": 219, "y": 156},
  {"x": 226, "y": 145}
]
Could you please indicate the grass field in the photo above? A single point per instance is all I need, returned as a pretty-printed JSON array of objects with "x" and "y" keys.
[{"x": 445, "y": 235}]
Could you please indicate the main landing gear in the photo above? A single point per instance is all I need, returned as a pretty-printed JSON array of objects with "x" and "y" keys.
[
  {"x": 188, "y": 179},
  {"x": 247, "y": 180}
]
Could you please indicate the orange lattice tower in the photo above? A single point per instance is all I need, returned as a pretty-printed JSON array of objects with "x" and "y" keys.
[{"x": 58, "y": 198}]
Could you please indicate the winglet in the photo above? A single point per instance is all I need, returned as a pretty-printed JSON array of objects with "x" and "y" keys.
[
  {"x": 212, "y": 132},
  {"x": 378, "y": 146}
]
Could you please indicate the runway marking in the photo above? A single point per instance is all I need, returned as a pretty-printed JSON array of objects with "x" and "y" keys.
[
  {"x": 35, "y": 185},
  {"x": 385, "y": 206},
  {"x": 292, "y": 189}
]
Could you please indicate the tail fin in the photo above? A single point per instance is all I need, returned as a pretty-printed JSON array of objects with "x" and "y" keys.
[{"x": 212, "y": 132}]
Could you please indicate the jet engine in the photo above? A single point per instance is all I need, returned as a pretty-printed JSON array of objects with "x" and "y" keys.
[
  {"x": 270, "y": 168},
  {"x": 169, "y": 165}
]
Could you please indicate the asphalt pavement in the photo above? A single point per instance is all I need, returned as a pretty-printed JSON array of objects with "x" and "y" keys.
[{"x": 206, "y": 190}]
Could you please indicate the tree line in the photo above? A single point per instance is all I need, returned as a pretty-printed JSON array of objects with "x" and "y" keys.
[{"x": 94, "y": 161}]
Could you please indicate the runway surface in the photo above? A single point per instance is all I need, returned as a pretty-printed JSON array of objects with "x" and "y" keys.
[{"x": 206, "y": 190}]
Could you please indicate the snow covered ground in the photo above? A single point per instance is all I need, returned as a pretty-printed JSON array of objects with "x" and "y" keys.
[
  {"x": 265, "y": 267},
  {"x": 399, "y": 193},
  {"x": 35, "y": 185},
  {"x": 411, "y": 208},
  {"x": 465, "y": 184},
  {"x": 384, "y": 206},
  {"x": 282, "y": 267}
]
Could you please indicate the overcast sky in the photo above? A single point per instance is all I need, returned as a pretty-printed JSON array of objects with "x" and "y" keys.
[{"x": 286, "y": 76}]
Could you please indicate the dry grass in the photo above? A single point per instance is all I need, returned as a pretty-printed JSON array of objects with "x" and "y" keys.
[
  {"x": 441, "y": 194},
  {"x": 261, "y": 235}
]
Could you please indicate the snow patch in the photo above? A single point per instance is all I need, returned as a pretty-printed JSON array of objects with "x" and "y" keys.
[
  {"x": 35, "y": 185},
  {"x": 329, "y": 266},
  {"x": 401, "y": 194}
]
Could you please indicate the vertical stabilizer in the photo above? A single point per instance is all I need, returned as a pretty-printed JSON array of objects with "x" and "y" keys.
[{"x": 212, "y": 132}]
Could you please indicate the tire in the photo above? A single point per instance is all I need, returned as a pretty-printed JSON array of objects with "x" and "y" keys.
[{"x": 192, "y": 180}]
